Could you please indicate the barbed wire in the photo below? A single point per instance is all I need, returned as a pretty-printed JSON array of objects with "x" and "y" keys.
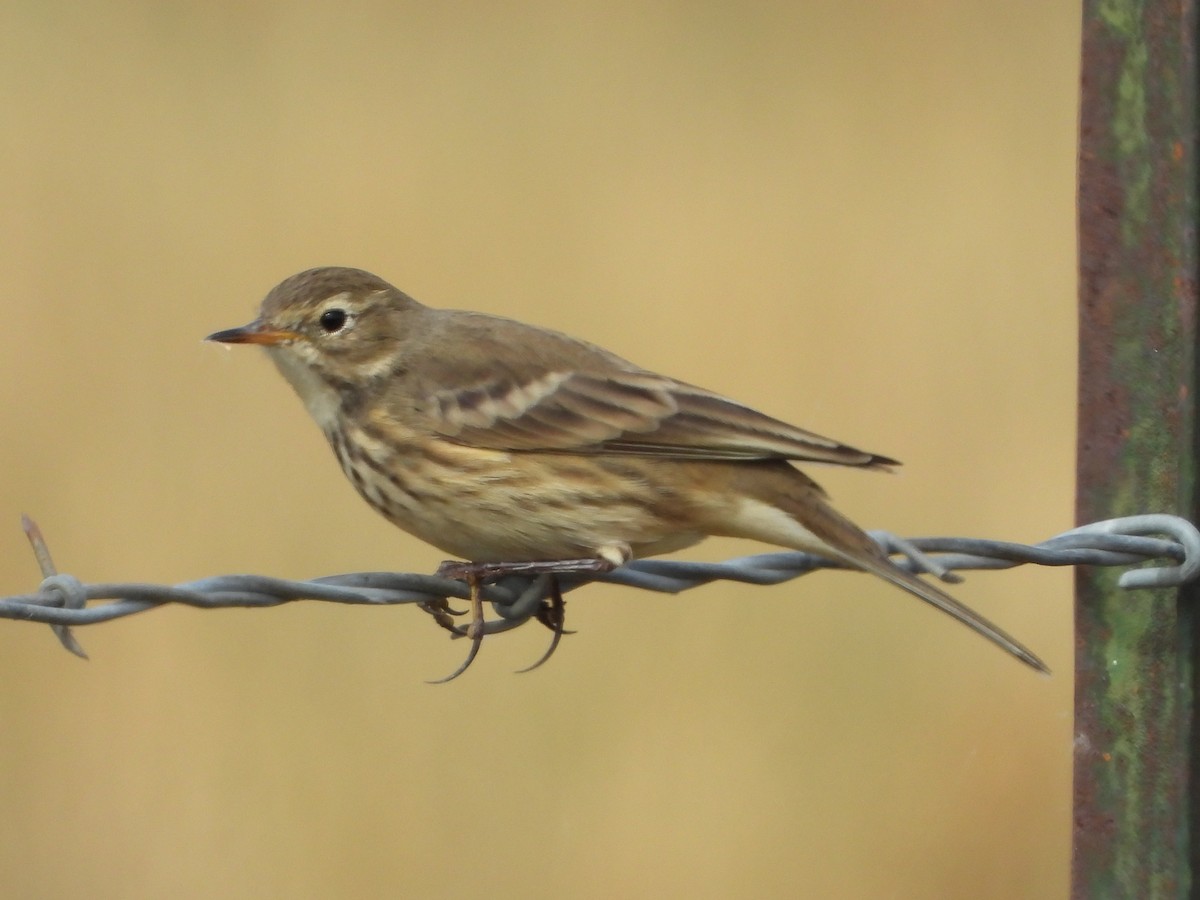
[{"x": 62, "y": 600}]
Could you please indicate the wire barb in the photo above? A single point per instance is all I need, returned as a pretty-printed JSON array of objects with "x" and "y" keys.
[
  {"x": 62, "y": 601},
  {"x": 71, "y": 590}
]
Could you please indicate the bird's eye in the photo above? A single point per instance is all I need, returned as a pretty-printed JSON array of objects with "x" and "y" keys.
[{"x": 333, "y": 320}]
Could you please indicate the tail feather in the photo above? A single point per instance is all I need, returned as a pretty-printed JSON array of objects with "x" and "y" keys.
[
  {"x": 790, "y": 509},
  {"x": 939, "y": 599}
]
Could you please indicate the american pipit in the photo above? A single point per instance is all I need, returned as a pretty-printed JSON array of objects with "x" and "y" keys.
[{"x": 505, "y": 443}]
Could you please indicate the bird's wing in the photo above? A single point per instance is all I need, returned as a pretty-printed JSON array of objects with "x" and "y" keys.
[
  {"x": 527, "y": 388},
  {"x": 623, "y": 412}
]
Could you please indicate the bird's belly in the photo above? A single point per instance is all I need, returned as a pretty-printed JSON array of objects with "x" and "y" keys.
[{"x": 497, "y": 506}]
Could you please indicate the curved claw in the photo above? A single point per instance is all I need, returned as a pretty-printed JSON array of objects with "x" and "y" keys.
[
  {"x": 476, "y": 643},
  {"x": 441, "y": 611},
  {"x": 474, "y": 631},
  {"x": 558, "y": 633},
  {"x": 552, "y": 616}
]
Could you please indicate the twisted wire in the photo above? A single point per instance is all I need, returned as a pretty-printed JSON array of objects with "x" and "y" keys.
[{"x": 63, "y": 601}]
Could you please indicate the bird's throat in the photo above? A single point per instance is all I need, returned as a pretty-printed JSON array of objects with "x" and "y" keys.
[{"x": 320, "y": 398}]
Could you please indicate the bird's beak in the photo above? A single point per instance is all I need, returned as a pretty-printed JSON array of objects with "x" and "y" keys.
[{"x": 257, "y": 332}]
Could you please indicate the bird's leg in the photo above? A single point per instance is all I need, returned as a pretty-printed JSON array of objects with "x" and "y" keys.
[{"x": 474, "y": 631}]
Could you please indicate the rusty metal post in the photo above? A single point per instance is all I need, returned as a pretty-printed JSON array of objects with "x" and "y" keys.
[{"x": 1135, "y": 830}]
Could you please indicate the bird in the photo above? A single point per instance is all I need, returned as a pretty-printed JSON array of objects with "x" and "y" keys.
[{"x": 517, "y": 448}]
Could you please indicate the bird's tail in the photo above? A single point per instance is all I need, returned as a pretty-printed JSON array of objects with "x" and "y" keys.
[
  {"x": 810, "y": 524},
  {"x": 938, "y": 598}
]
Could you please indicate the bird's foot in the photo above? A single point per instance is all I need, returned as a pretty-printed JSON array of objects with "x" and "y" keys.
[
  {"x": 551, "y": 613},
  {"x": 473, "y": 631},
  {"x": 443, "y": 613}
]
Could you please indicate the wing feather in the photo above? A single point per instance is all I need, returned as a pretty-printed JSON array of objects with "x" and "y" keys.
[{"x": 626, "y": 412}]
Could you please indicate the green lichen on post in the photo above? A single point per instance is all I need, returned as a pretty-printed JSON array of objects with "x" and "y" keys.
[
  {"x": 1135, "y": 817},
  {"x": 1129, "y": 128}
]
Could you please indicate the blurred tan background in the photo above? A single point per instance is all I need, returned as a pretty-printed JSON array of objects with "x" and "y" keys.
[{"x": 858, "y": 217}]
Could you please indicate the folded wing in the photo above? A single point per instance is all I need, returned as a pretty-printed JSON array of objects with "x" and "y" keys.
[{"x": 633, "y": 412}]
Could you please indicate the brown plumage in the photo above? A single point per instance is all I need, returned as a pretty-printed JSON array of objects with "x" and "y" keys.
[{"x": 501, "y": 442}]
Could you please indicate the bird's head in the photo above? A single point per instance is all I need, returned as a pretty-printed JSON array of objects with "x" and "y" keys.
[{"x": 329, "y": 330}]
